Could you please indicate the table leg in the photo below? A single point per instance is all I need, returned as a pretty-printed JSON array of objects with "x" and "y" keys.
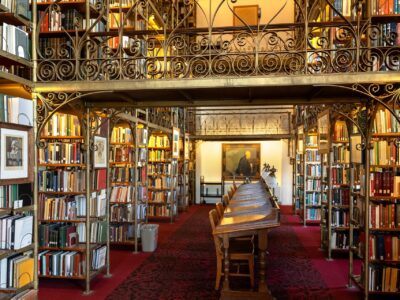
[
  {"x": 262, "y": 246},
  {"x": 226, "y": 263}
]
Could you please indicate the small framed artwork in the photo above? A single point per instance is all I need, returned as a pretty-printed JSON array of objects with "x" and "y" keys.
[
  {"x": 175, "y": 142},
  {"x": 16, "y": 153},
  {"x": 356, "y": 152},
  {"x": 324, "y": 132},
  {"x": 186, "y": 146},
  {"x": 100, "y": 152}
]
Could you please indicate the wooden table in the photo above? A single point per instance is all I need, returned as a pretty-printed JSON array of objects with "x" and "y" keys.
[{"x": 252, "y": 211}]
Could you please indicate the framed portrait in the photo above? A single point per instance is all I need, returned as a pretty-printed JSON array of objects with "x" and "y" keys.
[
  {"x": 241, "y": 160},
  {"x": 100, "y": 152},
  {"x": 15, "y": 153},
  {"x": 175, "y": 142},
  {"x": 324, "y": 132},
  {"x": 186, "y": 146}
]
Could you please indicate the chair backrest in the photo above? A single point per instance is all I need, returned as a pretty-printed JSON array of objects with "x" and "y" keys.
[
  {"x": 220, "y": 210},
  {"x": 235, "y": 187},
  {"x": 230, "y": 194},
  {"x": 213, "y": 216},
  {"x": 225, "y": 200}
]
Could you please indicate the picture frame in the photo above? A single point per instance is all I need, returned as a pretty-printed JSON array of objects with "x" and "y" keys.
[
  {"x": 100, "y": 152},
  {"x": 248, "y": 13},
  {"x": 16, "y": 153},
  {"x": 356, "y": 152},
  {"x": 324, "y": 126},
  {"x": 175, "y": 142},
  {"x": 241, "y": 160}
]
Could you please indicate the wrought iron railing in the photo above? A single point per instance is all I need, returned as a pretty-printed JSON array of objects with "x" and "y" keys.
[{"x": 311, "y": 43}]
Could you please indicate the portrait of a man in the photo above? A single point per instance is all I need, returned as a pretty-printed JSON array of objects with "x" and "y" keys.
[{"x": 241, "y": 160}]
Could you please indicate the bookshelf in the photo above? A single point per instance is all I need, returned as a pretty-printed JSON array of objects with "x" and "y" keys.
[
  {"x": 128, "y": 201},
  {"x": 183, "y": 174},
  {"x": 162, "y": 176},
  {"x": 311, "y": 206},
  {"x": 73, "y": 215},
  {"x": 336, "y": 169},
  {"x": 192, "y": 172},
  {"x": 299, "y": 171},
  {"x": 375, "y": 210},
  {"x": 17, "y": 205}
]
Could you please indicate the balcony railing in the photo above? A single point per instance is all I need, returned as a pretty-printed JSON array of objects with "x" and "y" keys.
[{"x": 151, "y": 42}]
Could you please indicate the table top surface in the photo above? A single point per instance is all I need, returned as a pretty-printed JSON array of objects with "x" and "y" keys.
[{"x": 251, "y": 208}]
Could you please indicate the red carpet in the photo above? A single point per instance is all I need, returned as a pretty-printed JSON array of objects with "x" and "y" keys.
[{"x": 183, "y": 267}]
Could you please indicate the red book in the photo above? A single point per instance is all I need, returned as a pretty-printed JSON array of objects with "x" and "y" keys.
[
  {"x": 101, "y": 179},
  {"x": 388, "y": 247},
  {"x": 373, "y": 216},
  {"x": 371, "y": 247}
]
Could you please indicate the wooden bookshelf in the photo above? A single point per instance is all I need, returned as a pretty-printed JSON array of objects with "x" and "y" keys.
[{"x": 90, "y": 247}]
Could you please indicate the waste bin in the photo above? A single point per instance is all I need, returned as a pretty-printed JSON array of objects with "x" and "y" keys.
[{"x": 149, "y": 235}]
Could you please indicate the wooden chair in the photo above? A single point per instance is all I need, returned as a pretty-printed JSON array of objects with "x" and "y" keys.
[
  {"x": 235, "y": 187},
  {"x": 237, "y": 254},
  {"x": 230, "y": 194},
  {"x": 225, "y": 200},
  {"x": 220, "y": 210}
]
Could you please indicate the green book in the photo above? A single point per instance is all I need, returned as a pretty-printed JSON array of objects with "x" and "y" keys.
[{"x": 2, "y": 109}]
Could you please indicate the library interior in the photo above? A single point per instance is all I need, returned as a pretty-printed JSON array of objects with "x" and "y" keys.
[{"x": 199, "y": 149}]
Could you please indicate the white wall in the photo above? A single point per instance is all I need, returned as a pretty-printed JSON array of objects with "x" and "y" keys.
[
  {"x": 209, "y": 165},
  {"x": 224, "y": 17}
]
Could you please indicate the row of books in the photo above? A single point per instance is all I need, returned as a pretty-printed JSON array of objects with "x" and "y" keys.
[
  {"x": 385, "y": 7},
  {"x": 384, "y": 152},
  {"x": 384, "y": 247},
  {"x": 385, "y": 122},
  {"x": 312, "y": 156},
  {"x": 313, "y": 198},
  {"x": 16, "y": 271},
  {"x": 99, "y": 180},
  {"x": 15, "y": 231},
  {"x": 340, "y": 218},
  {"x": 341, "y": 154},
  {"x": 159, "y": 155},
  {"x": 61, "y": 153},
  {"x": 313, "y": 170},
  {"x": 16, "y": 110},
  {"x": 122, "y": 194},
  {"x": 161, "y": 182},
  {"x": 99, "y": 257},
  {"x": 384, "y": 183},
  {"x": 15, "y": 40},
  {"x": 313, "y": 214},
  {"x": 122, "y": 233},
  {"x": 159, "y": 141},
  {"x": 142, "y": 174},
  {"x": 58, "y": 235},
  {"x": 61, "y": 263},
  {"x": 121, "y": 154},
  {"x": 121, "y": 19},
  {"x": 339, "y": 240},
  {"x": 71, "y": 208},
  {"x": 388, "y": 37},
  {"x": 141, "y": 132},
  {"x": 160, "y": 211},
  {"x": 122, "y": 135},
  {"x": 98, "y": 232},
  {"x": 54, "y": 20},
  {"x": 340, "y": 132},
  {"x": 19, "y": 7},
  {"x": 62, "y": 125},
  {"x": 384, "y": 215},
  {"x": 343, "y": 7},
  {"x": 311, "y": 140},
  {"x": 62, "y": 180},
  {"x": 15, "y": 195},
  {"x": 157, "y": 169},
  {"x": 126, "y": 213},
  {"x": 160, "y": 196},
  {"x": 340, "y": 176},
  {"x": 341, "y": 196},
  {"x": 384, "y": 279},
  {"x": 121, "y": 174},
  {"x": 313, "y": 184}
]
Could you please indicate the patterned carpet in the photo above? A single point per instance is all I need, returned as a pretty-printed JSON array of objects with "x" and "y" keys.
[{"x": 184, "y": 267}]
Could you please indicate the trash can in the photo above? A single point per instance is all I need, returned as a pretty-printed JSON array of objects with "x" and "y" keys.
[{"x": 149, "y": 235}]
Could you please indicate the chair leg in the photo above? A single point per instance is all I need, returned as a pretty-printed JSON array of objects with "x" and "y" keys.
[
  {"x": 219, "y": 273},
  {"x": 251, "y": 270}
]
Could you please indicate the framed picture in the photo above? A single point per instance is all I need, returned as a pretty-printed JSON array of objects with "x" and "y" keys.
[
  {"x": 324, "y": 132},
  {"x": 356, "y": 153},
  {"x": 175, "y": 142},
  {"x": 100, "y": 152},
  {"x": 16, "y": 145},
  {"x": 241, "y": 160},
  {"x": 186, "y": 146},
  {"x": 245, "y": 15}
]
